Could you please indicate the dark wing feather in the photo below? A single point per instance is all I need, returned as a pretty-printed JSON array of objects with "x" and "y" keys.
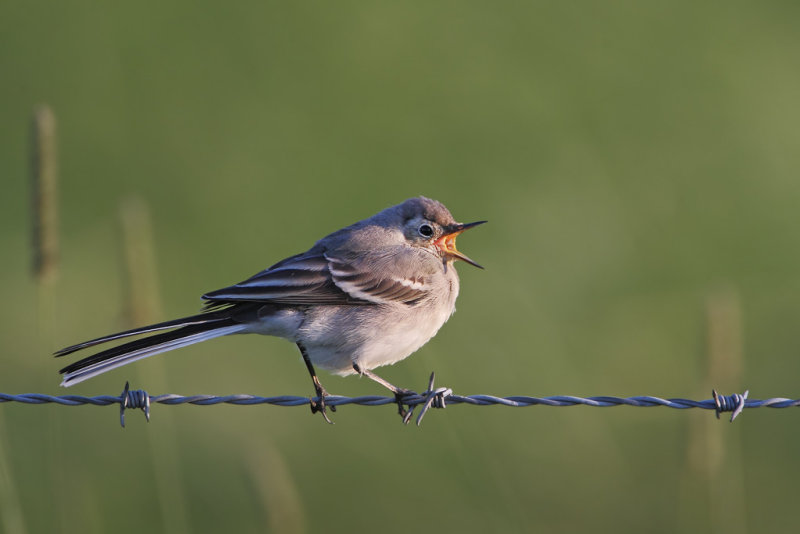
[
  {"x": 320, "y": 279},
  {"x": 301, "y": 280},
  {"x": 376, "y": 285}
]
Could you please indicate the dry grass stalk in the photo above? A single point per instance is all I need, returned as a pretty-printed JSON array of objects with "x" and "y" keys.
[
  {"x": 714, "y": 456},
  {"x": 44, "y": 185},
  {"x": 142, "y": 303}
]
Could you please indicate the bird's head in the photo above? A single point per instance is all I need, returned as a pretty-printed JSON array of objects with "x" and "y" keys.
[{"x": 428, "y": 223}]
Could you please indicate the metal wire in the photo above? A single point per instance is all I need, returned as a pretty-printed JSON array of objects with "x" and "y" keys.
[{"x": 432, "y": 398}]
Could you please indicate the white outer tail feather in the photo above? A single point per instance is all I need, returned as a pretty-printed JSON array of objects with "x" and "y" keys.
[{"x": 99, "y": 368}]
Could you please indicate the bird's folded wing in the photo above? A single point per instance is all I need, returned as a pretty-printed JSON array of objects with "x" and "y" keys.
[{"x": 320, "y": 279}]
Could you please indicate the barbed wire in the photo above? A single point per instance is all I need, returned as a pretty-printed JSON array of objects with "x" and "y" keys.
[{"x": 432, "y": 398}]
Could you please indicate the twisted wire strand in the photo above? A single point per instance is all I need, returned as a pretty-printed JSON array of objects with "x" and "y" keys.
[{"x": 432, "y": 398}]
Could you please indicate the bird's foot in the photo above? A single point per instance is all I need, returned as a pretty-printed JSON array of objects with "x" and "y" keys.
[
  {"x": 399, "y": 393},
  {"x": 319, "y": 404},
  {"x": 399, "y": 396}
]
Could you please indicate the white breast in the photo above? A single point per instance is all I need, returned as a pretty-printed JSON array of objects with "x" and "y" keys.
[{"x": 373, "y": 335}]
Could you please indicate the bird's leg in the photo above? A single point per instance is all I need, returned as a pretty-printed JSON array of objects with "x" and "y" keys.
[
  {"x": 316, "y": 406},
  {"x": 399, "y": 393}
]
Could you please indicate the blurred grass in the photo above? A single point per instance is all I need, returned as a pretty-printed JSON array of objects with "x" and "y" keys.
[{"x": 632, "y": 159}]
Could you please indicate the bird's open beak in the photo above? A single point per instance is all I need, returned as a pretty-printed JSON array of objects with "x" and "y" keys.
[{"x": 447, "y": 243}]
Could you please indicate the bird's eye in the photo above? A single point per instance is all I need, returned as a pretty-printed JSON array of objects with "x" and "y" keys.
[{"x": 425, "y": 230}]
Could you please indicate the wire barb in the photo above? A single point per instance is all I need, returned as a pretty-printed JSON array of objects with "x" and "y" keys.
[
  {"x": 731, "y": 403},
  {"x": 430, "y": 398},
  {"x": 137, "y": 398}
]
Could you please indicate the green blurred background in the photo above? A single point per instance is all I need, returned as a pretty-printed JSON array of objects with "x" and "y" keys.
[{"x": 638, "y": 163}]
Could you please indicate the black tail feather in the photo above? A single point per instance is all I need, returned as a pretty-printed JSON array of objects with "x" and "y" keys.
[
  {"x": 139, "y": 344},
  {"x": 216, "y": 317}
]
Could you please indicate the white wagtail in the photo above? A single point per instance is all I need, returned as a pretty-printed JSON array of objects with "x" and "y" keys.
[{"x": 367, "y": 295}]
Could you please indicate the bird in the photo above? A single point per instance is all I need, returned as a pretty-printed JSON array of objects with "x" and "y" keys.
[{"x": 364, "y": 296}]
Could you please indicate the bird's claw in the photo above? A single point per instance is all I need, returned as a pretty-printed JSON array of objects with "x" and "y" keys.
[
  {"x": 319, "y": 404},
  {"x": 399, "y": 396}
]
